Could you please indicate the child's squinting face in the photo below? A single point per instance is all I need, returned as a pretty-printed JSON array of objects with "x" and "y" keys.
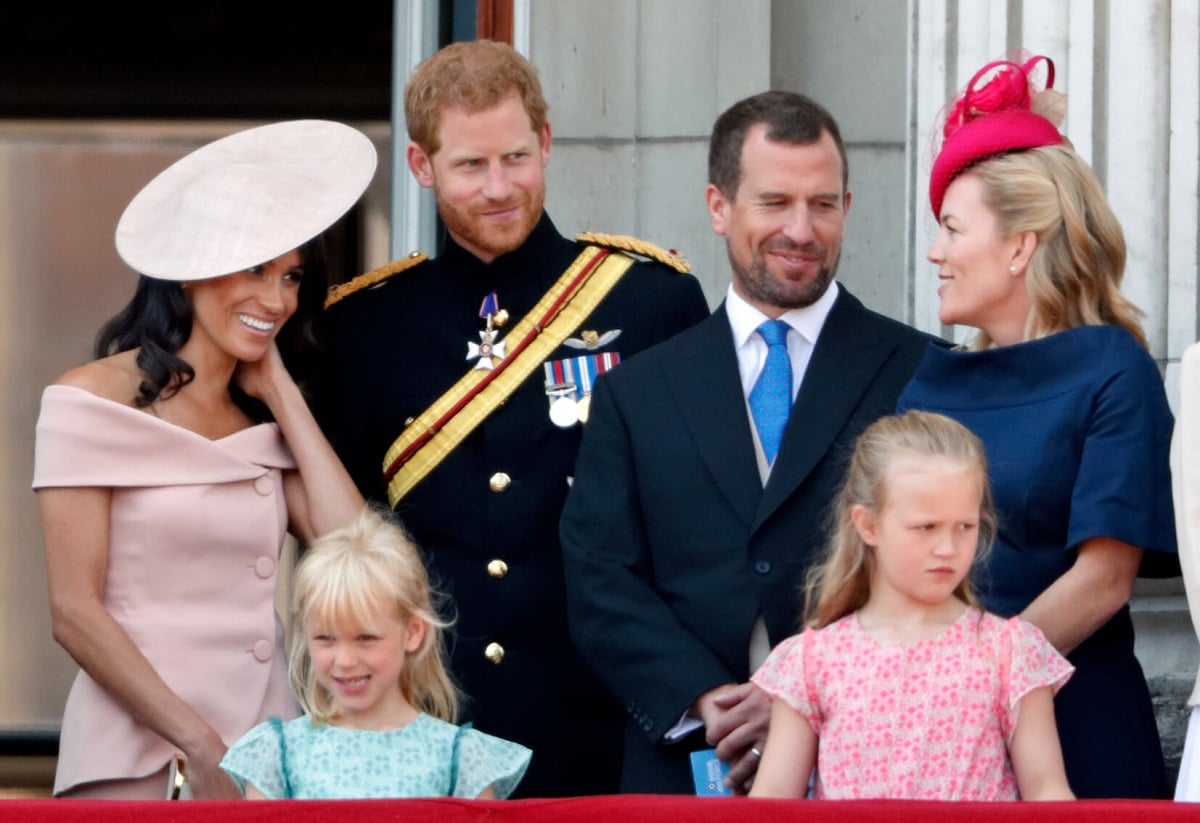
[
  {"x": 359, "y": 662},
  {"x": 927, "y": 531}
]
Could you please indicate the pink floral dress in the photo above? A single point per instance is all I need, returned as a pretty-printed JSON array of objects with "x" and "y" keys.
[{"x": 929, "y": 720}]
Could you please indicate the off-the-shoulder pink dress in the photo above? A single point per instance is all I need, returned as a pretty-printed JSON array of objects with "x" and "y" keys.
[{"x": 195, "y": 531}]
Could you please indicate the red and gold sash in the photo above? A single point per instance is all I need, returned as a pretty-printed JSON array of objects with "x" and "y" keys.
[{"x": 439, "y": 429}]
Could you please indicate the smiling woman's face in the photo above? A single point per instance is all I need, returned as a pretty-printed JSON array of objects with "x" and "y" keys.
[
  {"x": 241, "y": 313},
  {"x": 979, "y": 286}
]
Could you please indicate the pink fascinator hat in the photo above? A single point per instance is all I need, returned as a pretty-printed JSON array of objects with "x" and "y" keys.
[{"x": 1000, "y": 111}]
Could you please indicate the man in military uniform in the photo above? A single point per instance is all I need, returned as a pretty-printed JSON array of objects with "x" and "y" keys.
[{"x": 456, "y": 388}]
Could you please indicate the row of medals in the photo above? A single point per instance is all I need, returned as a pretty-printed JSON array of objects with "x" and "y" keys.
[{"x": 565, "y": 409}]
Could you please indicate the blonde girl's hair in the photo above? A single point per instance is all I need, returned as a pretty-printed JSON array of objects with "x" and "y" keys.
[
  {"x": 1074, "y": 275},
  {"x": 841, "y": 583},
  {"x": 351, "y": 574}
]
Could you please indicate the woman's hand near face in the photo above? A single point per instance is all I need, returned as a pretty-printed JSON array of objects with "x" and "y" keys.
[
  {"x": 320, "y": 495},
  {"x": 266, "y": 379}
]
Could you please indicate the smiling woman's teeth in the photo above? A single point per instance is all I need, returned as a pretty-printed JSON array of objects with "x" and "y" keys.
[{"x": 260, "y": 325}]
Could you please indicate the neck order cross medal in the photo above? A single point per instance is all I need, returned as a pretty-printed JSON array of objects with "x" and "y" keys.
[{"x": 488, "y": 350}]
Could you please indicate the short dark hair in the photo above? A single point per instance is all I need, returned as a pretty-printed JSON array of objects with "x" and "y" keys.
[{"x": 789, "y": 117}]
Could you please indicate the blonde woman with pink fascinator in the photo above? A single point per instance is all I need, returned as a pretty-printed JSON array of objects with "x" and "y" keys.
[{"x": 1070, "y": 405}]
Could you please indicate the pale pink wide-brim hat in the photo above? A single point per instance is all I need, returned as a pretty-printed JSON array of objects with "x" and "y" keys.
[{"x": 245, "y": 199}]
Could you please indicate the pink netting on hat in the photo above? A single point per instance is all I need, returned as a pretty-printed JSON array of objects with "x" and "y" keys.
[
  {"x": 1002, "y": 85},
  {"x": 1003, "y": 108}
]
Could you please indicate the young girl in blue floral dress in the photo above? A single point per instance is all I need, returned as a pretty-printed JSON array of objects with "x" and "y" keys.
[{"x": 366, "y": 666}]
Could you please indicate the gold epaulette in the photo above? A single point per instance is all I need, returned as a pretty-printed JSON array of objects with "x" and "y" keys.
[
  {"x": 374, "y": 276},
  {"x": 622, "y": 242}
]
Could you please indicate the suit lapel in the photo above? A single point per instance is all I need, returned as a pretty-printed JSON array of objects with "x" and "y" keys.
[
  {"x": 844, "y": 362},
  {"x": 706, "y": 382}
]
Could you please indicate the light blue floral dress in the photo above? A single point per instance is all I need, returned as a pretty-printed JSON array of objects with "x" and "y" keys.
[{"x": 426, "y": 758}]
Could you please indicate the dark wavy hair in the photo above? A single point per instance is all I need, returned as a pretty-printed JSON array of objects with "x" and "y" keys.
[{"x": 158, "y": 322}]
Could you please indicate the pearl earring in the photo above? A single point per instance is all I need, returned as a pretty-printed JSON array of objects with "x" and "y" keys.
[{"x": 1012, "y": 269}]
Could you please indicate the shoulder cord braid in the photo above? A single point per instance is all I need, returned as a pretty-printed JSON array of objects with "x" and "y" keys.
[
  {"x": 642, "y": 248},
  {"x": 372, "y": 277}
]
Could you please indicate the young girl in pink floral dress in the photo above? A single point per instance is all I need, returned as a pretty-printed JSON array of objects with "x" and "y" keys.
[{"x": 901, "y": 686}]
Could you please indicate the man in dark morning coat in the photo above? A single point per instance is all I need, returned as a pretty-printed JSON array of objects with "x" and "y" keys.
[
  {"x": 486, "y": 515},
  {"x": 685, "y": 546}
]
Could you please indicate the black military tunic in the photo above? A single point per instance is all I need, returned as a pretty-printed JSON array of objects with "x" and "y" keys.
[{"x": 487, "y": 516}]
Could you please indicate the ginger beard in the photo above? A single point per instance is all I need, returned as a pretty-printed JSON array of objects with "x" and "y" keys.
[{"x": 475, "y": 228}]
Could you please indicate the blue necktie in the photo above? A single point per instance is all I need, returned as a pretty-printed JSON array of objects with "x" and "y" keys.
[{"x": 771, "y": 397}]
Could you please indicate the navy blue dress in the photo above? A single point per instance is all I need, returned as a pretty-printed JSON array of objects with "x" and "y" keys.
[{"x": 1077, "y": 431}]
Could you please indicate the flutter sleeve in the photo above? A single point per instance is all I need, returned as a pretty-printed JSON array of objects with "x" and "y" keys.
[
  {"x": 785, "y": 674},
  {"x": 257, "y": 758},
  {"x": 484, "y": 760},
  {"x": 1032, "y": 663}
]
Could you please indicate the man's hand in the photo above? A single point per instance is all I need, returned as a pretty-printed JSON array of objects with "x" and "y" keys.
[{"x": 735, "y": 722}]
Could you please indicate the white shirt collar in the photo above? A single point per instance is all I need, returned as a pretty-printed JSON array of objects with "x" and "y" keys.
[{"x": 744, "y": 319}]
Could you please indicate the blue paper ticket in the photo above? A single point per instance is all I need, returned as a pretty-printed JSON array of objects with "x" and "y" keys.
[{"x": 708, "y": 774}]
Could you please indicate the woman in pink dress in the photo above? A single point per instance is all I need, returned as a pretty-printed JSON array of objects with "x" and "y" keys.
[
  {"x": 913, "y": 691},
  {"x": 169, "y": 469}
]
